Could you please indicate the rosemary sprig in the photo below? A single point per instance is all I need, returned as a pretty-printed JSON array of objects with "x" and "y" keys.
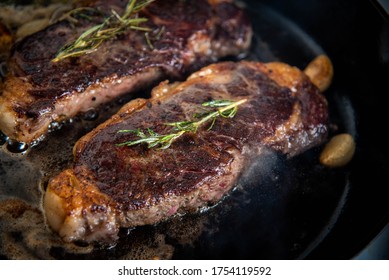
[
  {"x": 90, "y": 40},
  {"x": 225, "y": 109}
]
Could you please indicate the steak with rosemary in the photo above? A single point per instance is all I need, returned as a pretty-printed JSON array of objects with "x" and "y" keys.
[
  {"x": 111, "y": 185},
  {"x": 182, "y": 37}
]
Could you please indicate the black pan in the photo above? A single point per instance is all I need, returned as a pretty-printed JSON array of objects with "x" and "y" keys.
[{"x": 282, "y": 208}]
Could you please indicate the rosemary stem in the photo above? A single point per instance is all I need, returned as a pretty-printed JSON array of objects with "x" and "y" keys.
[
  {"x": 219, "y": 112},
  {"x": 227, "y": 109},
  {"x": 112, "y": 26}
]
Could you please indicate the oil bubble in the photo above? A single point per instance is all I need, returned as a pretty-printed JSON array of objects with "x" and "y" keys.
[{"x": 16, "y": 147}]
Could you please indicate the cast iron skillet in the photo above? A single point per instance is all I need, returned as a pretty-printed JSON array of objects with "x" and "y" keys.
[
  {"x": 282, "y": 208},
  {"x": 355, "y": 34}
]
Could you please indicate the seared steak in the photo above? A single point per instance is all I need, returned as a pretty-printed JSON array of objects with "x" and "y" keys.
[
  {"x": 111, "y": 186},
  {"x": 185, "y": 36}
]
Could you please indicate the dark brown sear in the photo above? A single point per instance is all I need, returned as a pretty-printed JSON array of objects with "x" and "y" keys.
[
  {"x": 110, "y": 186},
  {"x": 185, "y": 36}
]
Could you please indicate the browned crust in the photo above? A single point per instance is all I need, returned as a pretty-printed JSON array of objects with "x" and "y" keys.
[
  {"x": 291, "y": 131},
  {"x": 38, "y": 92}
]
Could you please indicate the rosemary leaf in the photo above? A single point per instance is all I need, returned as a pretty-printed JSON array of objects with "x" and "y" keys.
[
  {"x": 112, "y": 26},
  {"x": 225, "y": 109}
]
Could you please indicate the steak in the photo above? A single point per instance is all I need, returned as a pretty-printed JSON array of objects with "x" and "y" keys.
[
  {"x": 111, "y": 186},
  {"x": 184, "y": 36}
]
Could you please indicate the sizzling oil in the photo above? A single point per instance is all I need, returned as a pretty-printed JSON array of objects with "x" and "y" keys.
[{"x": 24, "y": 174}]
